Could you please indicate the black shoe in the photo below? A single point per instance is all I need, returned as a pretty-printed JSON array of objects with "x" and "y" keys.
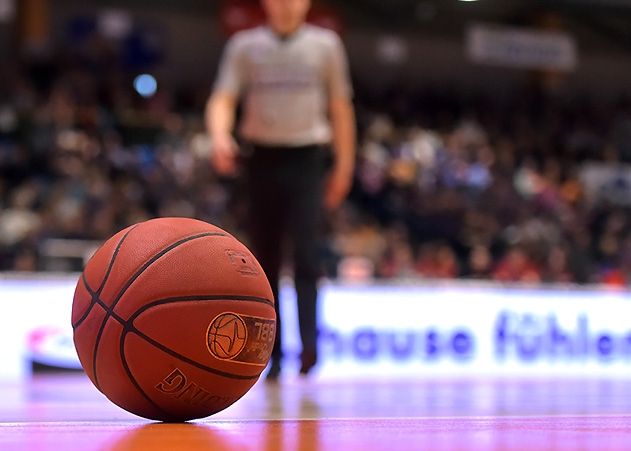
[
  {"x": 308, "y": 360},
  {"x": 274, "y": 372}
]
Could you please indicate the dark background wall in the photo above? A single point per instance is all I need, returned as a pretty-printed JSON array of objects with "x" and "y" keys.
[{"x": 434, "y": 32}]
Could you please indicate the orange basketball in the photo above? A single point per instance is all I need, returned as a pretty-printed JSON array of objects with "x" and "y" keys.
[{"x": 173, "y": 319}]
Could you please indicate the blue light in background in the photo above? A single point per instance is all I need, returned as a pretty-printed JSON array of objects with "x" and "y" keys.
[{"x": 145, "y": 85}]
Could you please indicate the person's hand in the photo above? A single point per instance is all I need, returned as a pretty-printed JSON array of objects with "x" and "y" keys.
[
  {"x": 224, "y": 155},
  {"x": 337, "y": 187}
]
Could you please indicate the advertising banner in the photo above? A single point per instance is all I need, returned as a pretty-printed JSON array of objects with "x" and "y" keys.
[
  {"x": 384, "y": 331},
  {"x": 521, "y": 48}
]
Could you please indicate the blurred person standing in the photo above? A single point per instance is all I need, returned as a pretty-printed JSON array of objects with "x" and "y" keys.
[{"x": 294, "y": 83}]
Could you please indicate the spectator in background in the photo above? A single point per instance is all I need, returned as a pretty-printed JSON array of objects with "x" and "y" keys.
[
  {"x": 398, "y": 262},
  {"x": 437, "y": 261},
  {"x": 397, "y": 259},
  {"x": 517, "y": 266},
  {"x": 557, "y": 269},
  {"x": 479, "y": 263}
]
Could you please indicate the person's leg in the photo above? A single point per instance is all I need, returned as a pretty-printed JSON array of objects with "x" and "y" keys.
[
  {"x": 266, "y": 247},
  {"x": 305, "y": 227},
  {"x": 266, "y": 226}
]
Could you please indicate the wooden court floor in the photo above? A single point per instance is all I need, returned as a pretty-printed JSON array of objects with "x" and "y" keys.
[{"x": 66, "y": 413}]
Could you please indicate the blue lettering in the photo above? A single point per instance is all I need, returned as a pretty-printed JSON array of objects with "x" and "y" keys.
[
  {"x": 365, "y": 344},
  {"x": 558, "y": 339},
  {"x": 333, "y": 338},
  {"x": 583, "y": 334},
  {"x": 529, "y": 340},
  {"x": 371, "y": 344},
  {"x": 401, "y": 345},
  {"x": 432, "y": 348},
  {"x": 462, "y": 344},
  {"x": 605, "y": 346},
  {"x": 529, "y": 337},
  {"x": 626, "y": 343},
  {"x": 500, "y": 335}
]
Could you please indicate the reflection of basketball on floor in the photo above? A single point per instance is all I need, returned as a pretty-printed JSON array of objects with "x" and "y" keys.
[{"x": 226, "y": 336}]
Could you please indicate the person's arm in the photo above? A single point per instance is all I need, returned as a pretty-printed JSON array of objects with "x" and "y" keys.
[
  {"x": 343, "y": 125},
  {"x": 220, "y": 113},
  {"x": 342, "y": 118},
  {"x": 221, "y": 108}
]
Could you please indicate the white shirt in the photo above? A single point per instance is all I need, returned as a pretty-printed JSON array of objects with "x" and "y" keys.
[{"x": 286, "y": 83}]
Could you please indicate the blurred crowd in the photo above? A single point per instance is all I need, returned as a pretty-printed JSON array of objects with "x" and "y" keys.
[
  {"x": 489, "y": 188},
  {"x": 447, "y": 185}
]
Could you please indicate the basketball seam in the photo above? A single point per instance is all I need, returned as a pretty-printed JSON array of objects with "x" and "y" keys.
[
  {"x": 129, "y": 283},
  {"x": 129, "y": 326},
  {"x": 131, "y": 376},
  {"x": 102, "y": 286},
  {"x": 191, "y": 362},
  {"x": 203, "y": 297}
]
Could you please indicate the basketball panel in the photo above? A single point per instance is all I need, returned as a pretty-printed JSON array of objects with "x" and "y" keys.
[
  {"x": 81, "y": 304},
  {"x": 114, "y": 379},
  {"x": 84, "y": 338},
  {"x": 149, "y": 240},
  {"x": 186, "y": 328},
  {"x": 177, "y": 387},
  {"x": 95, "y": 273},
  {"x": 209, "y": 265}
]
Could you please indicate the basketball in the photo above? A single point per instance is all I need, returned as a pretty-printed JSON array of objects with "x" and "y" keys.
[{"x": 173, "y": 319}]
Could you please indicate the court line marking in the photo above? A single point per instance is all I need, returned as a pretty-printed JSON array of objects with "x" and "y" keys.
[{"x": 216, "y": 421}]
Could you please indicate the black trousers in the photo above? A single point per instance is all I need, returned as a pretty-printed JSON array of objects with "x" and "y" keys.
[{"x": 285, "y": 187}]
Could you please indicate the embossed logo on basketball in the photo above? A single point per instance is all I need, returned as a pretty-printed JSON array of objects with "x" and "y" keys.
[
  {"x": 241, "y": 338},
  {"x": 242, "y": 262},
  {"x": 227, "y": 335}
]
